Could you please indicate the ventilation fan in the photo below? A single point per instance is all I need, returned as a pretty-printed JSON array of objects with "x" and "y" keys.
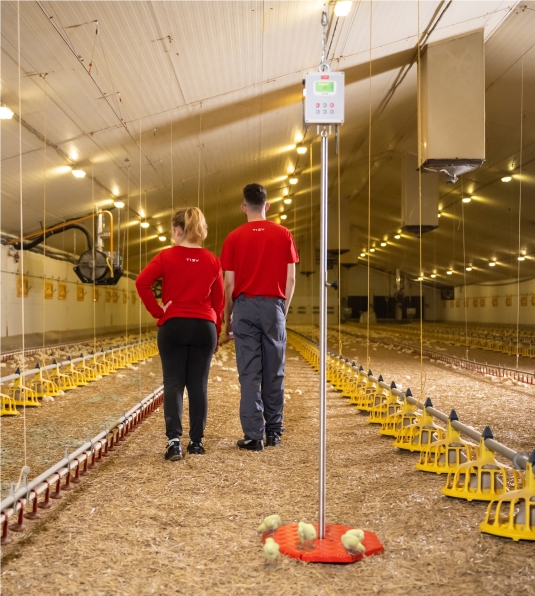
[
  {"x": 157, "y": 288},
  {"x": 95, "y": 267}
]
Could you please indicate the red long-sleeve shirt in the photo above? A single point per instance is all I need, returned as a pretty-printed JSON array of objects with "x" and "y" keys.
[{"x": 191, "y": 279}]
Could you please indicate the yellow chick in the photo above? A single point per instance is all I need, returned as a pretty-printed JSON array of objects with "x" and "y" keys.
[
  {"x": 306, "y": 532},
  {"x": 270, "y": 523},
  {"x": 358, "y": 533},
  {"x": 271, "y": 551},
  {"x": 352, "y": 544}
]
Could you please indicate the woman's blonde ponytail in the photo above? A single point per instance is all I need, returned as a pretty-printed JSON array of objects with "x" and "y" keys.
[{"x": 192, "y": 222}]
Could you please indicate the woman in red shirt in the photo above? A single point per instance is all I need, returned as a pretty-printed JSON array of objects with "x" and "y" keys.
[{"x": 189, "y": 322}]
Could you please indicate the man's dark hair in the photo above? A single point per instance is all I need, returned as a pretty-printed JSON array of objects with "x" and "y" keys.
[{"x": 255, "y": 195}]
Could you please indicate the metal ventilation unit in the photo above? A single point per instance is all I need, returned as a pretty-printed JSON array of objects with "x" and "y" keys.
[
  {"x": 452, "y": 105},
  {"x": 94, "y": 266}
]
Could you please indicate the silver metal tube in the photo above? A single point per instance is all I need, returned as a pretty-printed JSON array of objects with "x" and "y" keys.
[
  {"x": 66, "y": 461},
  {"x": 323, "y": 333}
]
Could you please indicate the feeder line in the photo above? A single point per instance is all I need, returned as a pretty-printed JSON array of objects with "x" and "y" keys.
[
  {"x": 519, "y": 458},
  {"x": 15, "y": 376},
  {"x": 39, "y": 484}
]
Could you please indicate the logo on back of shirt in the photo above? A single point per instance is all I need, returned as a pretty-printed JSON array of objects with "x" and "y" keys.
[
  {"x": 258, "y": 229},
  {"x": 192, "y": 260}
]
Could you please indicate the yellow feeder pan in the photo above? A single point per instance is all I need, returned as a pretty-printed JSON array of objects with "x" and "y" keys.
[
  {"x": 442, "y": 457},
  {"x": 482, "y": 479},
  {"x": 400, "y": 417},
  {"x": 512, "y": 515},
  {"x": 421, "y": 434}
]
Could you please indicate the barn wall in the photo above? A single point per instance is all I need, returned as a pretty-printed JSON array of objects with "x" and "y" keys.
[
  {"x": 114, "y": 308},
  {"x": 492, "y": 304}
]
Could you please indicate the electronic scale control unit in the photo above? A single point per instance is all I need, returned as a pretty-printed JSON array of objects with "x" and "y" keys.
[{"x": 324, "y": 98}]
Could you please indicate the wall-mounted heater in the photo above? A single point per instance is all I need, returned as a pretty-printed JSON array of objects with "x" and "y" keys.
[{"x": 452, "y": 105}]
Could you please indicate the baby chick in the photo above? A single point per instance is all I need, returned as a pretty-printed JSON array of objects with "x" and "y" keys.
[
  {"x": 271, "y": 551},
  {"x": 270, "y": 523},
  {"x": 352, "y": 544},
  {"x": 306, "y": 532},
  {"x": 356, "y": 532}
]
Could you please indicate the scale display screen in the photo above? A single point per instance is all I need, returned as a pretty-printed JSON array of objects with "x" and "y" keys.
[
  {"x": 324, "y": 97},
  {"x": 324, "y": 87}
]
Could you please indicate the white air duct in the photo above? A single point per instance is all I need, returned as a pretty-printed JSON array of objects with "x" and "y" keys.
[
  {"x": 410, "y": 197},
  {"x": 452, "y": 105}
]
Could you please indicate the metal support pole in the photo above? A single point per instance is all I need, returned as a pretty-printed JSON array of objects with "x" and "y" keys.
[{"x": 323, "y": 333}]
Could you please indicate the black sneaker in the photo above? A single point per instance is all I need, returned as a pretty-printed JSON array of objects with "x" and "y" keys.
[
  {"x": 195, "y": 448},
  {"x": 251, "y": 444},
  {"x": 174, "y": 450},
  {"x": 273, "y": 440}
]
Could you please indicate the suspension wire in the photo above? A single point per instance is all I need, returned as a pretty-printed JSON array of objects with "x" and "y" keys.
[
  {"x": 217, "y": 216},
  {"x": 140, "y": 244},
  {"x": 418, "y": 99},
  {"x": 95, "y": 222},
  {"x": 464, "y": 277},
  {"x": 44, "y": 206},
  {"x": 520, "y": 206},
  {"x": 23, "y": 331},
  {"x": 200, "y": 157},
  {"x": 369, "y": 192},
  {"x": 312, "y": 256},
  {"x": 339, "y": 258},
  {"x": 127, "y": 255}
]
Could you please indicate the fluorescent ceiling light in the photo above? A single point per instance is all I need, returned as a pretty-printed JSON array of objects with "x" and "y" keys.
[
  {"x": 341, "y": 9},
  {"x": 288, "y": 201},
  {"x": 293, "y": 180},
  {"x": 506, "y": 179},
  {"x": 466, "y": 199},
  {"x": 284, "y": 216},
  {"x": 118, "y": 204},
  {"x": 78, "y": 173},
  {"x": 397, "y": 236},
  {"x": 144, "y": 224},
  {"x": 383, "y": 243},
  {"x": 162, "y": 238},
  {"x": 433, "y": 275},
  {"x": 449, "y": 272},
  {"x": 5, "y": 113},
  {"x": 301, "y": 149},
  {"x": 492, "y": 264}
]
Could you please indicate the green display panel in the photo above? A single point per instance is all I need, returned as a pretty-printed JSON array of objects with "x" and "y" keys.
[{"x": 324, "y": 87}]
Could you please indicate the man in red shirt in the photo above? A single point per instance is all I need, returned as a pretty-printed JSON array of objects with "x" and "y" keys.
[{"x": 259, "y": 262}]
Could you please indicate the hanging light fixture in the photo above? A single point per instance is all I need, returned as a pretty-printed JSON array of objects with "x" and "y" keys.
[
  {"x": 288, "y": 201},
  {"x": 506, "y": 179},
  {"x": 78, "y": 173},
  {"x": 293, "y": 180},
  {"x": 144, "y": 224},
  {"x": 118, "y": 204},
  {"x": 301, "y": 149},
  {"x": 162, "y": 238}
]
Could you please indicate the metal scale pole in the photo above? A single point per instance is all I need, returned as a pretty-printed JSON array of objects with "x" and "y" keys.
[{"x": 323, "y": 333}]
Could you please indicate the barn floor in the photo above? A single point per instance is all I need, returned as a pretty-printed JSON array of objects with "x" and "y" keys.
[{"x": 140, "y": 525}]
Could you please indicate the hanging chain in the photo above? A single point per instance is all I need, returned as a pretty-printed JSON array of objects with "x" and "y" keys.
[{"x": 324, "y": 24}]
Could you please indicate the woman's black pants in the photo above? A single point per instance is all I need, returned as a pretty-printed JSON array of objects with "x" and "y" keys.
[{"x": 186, "y": 348}]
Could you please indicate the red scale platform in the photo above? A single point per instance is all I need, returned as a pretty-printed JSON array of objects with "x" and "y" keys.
[{"x": 328, "y": 550}]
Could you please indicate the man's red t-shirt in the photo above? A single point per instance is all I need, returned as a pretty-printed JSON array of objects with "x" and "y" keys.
[
  {"x": 259, "y": 253},
  {"x": 191, "y": 279}
]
